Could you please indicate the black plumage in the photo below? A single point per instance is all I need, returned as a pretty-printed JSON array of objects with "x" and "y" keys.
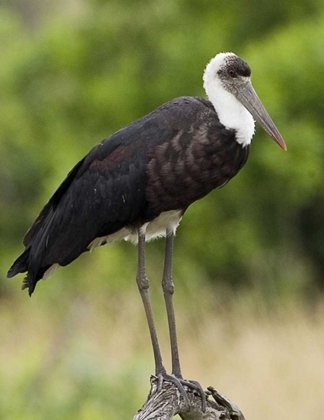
[{"x": 164, "y": 161}]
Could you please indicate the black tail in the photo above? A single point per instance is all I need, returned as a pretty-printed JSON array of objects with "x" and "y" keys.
[{"x": 20, "y": 265}]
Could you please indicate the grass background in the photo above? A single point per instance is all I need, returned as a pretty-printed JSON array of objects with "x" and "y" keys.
[{"x": 91, "y": 357}]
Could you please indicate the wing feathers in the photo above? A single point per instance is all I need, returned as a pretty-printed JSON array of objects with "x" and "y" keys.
[{"x": 148, "y": 167}]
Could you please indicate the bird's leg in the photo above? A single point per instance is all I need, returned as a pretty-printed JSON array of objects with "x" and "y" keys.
[
  {"x": 168, "y": 291},
  {"x": 143, "y": 285}
]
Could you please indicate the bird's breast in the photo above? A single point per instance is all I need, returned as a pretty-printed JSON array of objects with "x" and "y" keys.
[{"x": 190, "y": 165}]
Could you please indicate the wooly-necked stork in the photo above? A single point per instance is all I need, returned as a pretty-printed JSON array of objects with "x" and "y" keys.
[{"x": 137, "y": 184}]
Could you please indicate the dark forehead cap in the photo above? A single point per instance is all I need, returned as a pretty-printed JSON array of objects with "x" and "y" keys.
[{"x": 240, "y": 66}]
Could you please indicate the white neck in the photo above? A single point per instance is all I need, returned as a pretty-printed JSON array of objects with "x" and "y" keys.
[{"x": 231, "y": 113}]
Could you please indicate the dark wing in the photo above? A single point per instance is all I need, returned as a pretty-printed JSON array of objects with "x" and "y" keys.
[
  {"x": 164, "y": 161},
  {"x": 53, "y": 202},
  {"x": 104, "y": 192}
]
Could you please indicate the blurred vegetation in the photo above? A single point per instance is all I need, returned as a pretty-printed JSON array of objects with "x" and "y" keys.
[
  {"x": 73, "y": 72},
  {"x": 80, "y": 75}
]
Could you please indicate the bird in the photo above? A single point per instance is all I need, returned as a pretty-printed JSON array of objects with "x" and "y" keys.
[{"x": 137, "y": 184}]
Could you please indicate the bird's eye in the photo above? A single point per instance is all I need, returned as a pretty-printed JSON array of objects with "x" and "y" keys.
[{"x": 232, "y": 73}]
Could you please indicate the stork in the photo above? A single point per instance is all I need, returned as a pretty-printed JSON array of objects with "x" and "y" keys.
[{"x": 137, "y": 184}]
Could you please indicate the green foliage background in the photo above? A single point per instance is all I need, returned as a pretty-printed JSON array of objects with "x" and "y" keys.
[{"x": 74, "y": 72}]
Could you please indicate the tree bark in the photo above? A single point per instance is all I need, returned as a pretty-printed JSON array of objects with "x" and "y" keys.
[{"x": 167, "y": 402}]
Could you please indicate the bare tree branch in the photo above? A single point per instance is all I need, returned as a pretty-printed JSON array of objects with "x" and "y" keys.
[{"x": 167, "y": 402}]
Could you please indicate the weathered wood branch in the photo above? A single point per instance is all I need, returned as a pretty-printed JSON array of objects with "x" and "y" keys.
[{"x": 167, "y": 402}]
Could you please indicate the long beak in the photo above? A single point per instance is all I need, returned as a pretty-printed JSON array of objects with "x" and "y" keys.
[{"x": 249, "y": 98}]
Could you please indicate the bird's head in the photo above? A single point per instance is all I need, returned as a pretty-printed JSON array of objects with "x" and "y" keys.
[{"x": 227, "y": 75}]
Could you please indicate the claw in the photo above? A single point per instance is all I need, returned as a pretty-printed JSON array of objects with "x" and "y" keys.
[
  {"x": 178, "y": 383},
  {"x": 160, "y": 380},
  {"x": 194, "y": 385}
]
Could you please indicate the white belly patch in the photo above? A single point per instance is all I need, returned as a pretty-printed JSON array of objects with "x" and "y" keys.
[{"x": 154, "y": 229}]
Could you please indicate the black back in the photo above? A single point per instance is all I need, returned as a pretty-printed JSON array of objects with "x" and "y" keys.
[{"x": 163, "y": 161}]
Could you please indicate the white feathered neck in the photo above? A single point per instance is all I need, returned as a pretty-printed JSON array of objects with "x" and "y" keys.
[{"x": 231, "y": 113}]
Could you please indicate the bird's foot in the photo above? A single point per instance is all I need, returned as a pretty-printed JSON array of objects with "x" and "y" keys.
[
  {"x": 184, "y": 386},
  {"x": 196, "y": 388}
]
